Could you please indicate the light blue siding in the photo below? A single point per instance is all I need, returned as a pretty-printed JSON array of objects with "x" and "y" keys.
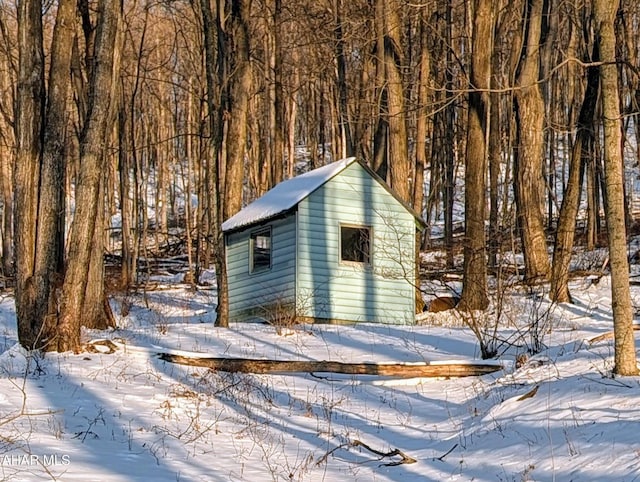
[
  {"x": 307, "y": 277},
  {"x": 269, "y": 293},
  {"x": 334, "y": 290}
]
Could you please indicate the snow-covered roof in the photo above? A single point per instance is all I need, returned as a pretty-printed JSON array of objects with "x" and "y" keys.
[{"x": 285, "y": 195}]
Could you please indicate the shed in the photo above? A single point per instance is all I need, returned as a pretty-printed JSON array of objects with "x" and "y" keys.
[{"x": 335, "y": 244}]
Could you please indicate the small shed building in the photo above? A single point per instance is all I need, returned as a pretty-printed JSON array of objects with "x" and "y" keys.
[{"x": 335, "y": 244}]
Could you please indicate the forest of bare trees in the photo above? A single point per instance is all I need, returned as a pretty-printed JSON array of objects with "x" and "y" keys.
[{"x": 135, "y": 128}]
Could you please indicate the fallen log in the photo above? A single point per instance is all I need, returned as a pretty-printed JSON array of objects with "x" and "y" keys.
[{"x": 400, "y": 370}]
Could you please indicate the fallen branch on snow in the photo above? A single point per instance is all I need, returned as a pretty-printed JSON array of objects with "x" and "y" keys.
[
  {"x": 441, "y": 458},
  {"x": 401, "y": 370},
  {"x": 96, "y": 346},
  {"x": 405, "y": 459}
]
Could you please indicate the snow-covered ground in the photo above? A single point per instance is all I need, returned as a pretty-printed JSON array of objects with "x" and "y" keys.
[{"x": 128, "y": 416}]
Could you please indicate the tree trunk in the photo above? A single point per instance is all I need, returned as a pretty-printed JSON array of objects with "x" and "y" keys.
[
  {"x": 7, "y": 151},
  {"x": 131, "y": 166},
  {"x": 92, "y": 141},
  {"x": 529, "y": 155},
  {"x": 448, "y": 171},
  {"x": 399, "y": 168},
  {"x": 379, "y": 161},
  {"x": 474, "y": 288},
  {"x": 494, "y": 160},
  {"x": 277, "y": 135},
  {"x": 214, "y": 64},
  {"x": 625, "y": 352},
  {"x": 126, "y": 209},
  {"x": 50, "y": 232},
  {"x": 422, "y": 119},
  {"x": 39, "y": 172},
  {"x": 571, "y": 200},
  {"x": 593, "y": 203},
  {"x": 341, "y": 71},
  {"x": 291, "y": 125},
  {"x": 6, "y": 173},
  {"x": 28, "y": 124},
  {"x": 498, "y": 131},
  {"x": 163, "y": 177},
  {"x": 266, "y": 114},
  {"x": 96, "y": 312},
  {"x": 422, "y": 133},
  {"x": 238, "y": 105}
]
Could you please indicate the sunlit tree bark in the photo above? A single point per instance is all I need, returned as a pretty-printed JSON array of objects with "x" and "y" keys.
[
  {"x": 399, "y": 169},
  {"x": 341, "y": 71},
  {"x": 604, "y": 13},
  {"x": 529, "y": 153},
  {"x": 39, "y": 174},
  {"x": 92, "y": 162},
  {"x": 215, "y": 71},
  {"x": 8, "y": 69},
  {"x": 474, "y": 291}
]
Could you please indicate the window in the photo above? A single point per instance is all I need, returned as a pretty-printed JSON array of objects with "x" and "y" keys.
[
  {"x": 260, "y": 250},
  {"x": 355, "y": 244}
]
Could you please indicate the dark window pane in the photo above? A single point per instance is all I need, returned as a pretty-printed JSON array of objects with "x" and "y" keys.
[
  {"x": 261, "y": 250},
  {"x": 355, "y": 244}
]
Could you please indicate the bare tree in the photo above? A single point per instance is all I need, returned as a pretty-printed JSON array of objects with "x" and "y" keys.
[
  {"x": 474, "y": 291},
  {"x": 236, "y": 81},
  {"x": 214, "y": 66},
  {"x": 38, "y": 181},
  {"x": 423, "y": 124},
  {"x": 604, "y": 12},
  {"x": 277, "y": 89},
  {"x": 447, "y": 140},
  {"x": 92, "y": 141},
  {"x": 499, "y": 131},
  {"x": 582, "y": 150},
  {"x": 8, "y": 69},
  {"x": 341, "y": 80},
  {"x": 399, "y": 168},
  {"x": 530, "y": 120}
]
